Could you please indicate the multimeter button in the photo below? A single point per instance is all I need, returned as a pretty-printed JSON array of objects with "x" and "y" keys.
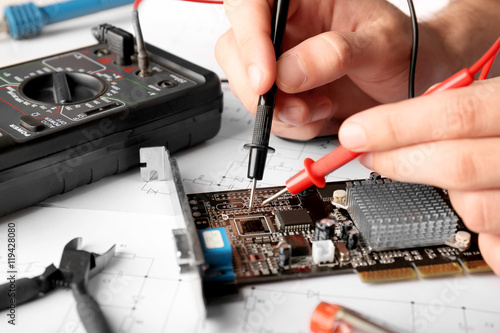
[{"x": 31, "y": 124}]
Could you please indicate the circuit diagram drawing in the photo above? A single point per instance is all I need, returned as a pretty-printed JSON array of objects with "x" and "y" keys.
[{"x": 225, "y": 160}]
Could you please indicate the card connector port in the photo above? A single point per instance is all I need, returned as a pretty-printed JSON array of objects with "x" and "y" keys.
[{"x": 101, "y": 108}]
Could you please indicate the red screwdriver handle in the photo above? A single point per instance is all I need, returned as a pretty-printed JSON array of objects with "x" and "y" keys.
[{"x": 314, "y": 173}]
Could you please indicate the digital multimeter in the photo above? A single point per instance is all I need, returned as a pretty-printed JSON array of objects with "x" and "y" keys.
[{"x": 73, "y": 118}]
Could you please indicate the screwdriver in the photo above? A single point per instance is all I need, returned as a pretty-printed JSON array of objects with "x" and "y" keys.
[
  {"x": 27, "y": 20},
  {"x": 265, "y": 107},
  {"x": 314, "y": 173}
]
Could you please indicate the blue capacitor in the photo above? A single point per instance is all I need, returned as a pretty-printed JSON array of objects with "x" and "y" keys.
[{"x": 218, "y": 254}]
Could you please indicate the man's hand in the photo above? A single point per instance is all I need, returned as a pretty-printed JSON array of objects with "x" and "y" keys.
[
  {"x": 341, "y": 57},
  {"x": 450, "y": 140}
]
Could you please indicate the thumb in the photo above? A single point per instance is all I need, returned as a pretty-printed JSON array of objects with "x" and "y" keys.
[{"x": 323, "y": 59}]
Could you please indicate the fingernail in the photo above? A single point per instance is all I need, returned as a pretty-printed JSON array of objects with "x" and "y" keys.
[
  {"x": 352, "y": 136},
  {"x": 255, "y": 76},
  {"x": 322, "y": 112},
  {"x": 290, "y": 71},
  {"x": 291, "y": 115},
  {"x": 367, "y": 160}
]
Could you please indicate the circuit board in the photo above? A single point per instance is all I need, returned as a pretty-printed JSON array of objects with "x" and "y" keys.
[{"x": 314, "y": 234}]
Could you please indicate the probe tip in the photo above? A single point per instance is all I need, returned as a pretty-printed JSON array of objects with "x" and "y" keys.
[
  {"x": 274, "y": 197},
  {"x": 252, "y": 195}
]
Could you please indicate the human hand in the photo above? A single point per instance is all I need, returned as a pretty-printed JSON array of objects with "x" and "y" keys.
[
  {"x": 449, "y": 140},
  {"x": 340, "y": 57}
]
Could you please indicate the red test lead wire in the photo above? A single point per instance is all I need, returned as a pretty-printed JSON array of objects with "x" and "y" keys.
[
  {"x": 314, "y": 173},
  {"x": 491, "y": 53},
  {"x": 466, "y": 76}
]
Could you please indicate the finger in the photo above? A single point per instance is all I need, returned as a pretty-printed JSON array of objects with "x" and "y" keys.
[
  {"x": 251, "y": 23},
  {"x": 359, "y": 42},
  {"x": 454, "y": 165},
  {"x": 331, "y": 128},
  {"x": 228, "y": 56},
  {"x": 294, "y": 110},
  {"x": 489, "y": 245},
  {"x": 305, "y": 132},
  {"x": 460, "y": 113},
  {"x": 478, "y": 209},
  {"x": 321, "y": 59},
  {"x": 298, "y": 110}
]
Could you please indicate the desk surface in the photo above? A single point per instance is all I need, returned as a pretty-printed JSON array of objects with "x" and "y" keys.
[{"x": 142, "y": 290}]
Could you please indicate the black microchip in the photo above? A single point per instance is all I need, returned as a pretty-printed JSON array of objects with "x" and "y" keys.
[
  {"x": 291, "y": 220},
  {"x": 257, "y": 225},
  {"x": 300, "y": 246}
]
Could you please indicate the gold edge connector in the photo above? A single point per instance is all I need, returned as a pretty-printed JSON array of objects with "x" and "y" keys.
[
  {"x": 451, "y": 268},
  {"x": 475, "y": 266},
  {"x": 386, "y": 275}
]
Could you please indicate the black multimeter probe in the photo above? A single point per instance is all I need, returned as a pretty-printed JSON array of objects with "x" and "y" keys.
[{"x": 265, "y": 108}]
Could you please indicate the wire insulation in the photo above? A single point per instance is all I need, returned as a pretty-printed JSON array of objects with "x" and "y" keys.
[
  {"x": 486, "y": 69},
  {"x": 485, "y": 58},
  {"x": 465, "y": 76},
  {"x": 414, "y": 50}
]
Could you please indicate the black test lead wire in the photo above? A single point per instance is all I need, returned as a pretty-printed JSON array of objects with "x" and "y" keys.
[
  {"x": 414, "y": 50},
  {"x": 265, "y": 107}
]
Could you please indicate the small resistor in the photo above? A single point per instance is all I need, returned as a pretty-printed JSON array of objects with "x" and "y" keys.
[{"x": 342, "y": 252}]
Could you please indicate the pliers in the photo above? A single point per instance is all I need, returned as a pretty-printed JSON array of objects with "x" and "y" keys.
[{"x": 74, "y": 271}]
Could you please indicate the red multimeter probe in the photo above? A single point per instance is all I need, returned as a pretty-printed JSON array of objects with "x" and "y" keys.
[{"x": 314, "y": 173}]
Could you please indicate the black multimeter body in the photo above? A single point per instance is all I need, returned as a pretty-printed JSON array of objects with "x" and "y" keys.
[{"x": 73, "y": 118}]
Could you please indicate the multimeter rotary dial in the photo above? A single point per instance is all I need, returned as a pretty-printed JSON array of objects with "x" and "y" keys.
[{"x": 62, "y": 88}]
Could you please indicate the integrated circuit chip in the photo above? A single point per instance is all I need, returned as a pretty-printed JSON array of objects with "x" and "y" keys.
[
  {"x": 252, "y": 225},
  {"x": 293, "y": 220}
]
